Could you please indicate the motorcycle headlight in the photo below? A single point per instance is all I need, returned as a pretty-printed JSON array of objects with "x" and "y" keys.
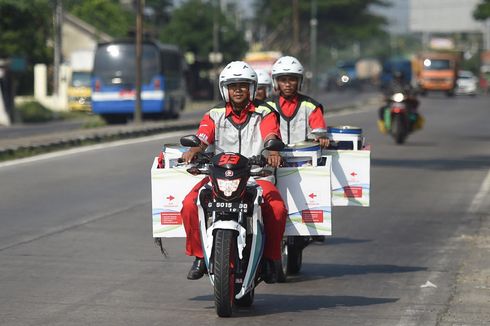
[
  {"x": 398, "y": 97},
  {"x": 344, "y": 78},
  {"x": 228, "y": 187}
]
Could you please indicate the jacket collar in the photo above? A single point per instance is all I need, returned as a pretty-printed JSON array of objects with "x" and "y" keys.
[{"x": 229, "y": 110}]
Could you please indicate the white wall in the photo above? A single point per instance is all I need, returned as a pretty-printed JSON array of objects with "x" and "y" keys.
[
  {"x": 54, "y": 102},
  {"x": 73, "y": 41}
]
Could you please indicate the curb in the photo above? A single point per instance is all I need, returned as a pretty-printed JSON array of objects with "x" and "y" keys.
[
  {"x": 29, "y": 146},
  {"x": 34, "y": 145}
]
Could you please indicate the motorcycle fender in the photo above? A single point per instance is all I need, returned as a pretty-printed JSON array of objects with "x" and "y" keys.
[{"x": 227, "y": 225}]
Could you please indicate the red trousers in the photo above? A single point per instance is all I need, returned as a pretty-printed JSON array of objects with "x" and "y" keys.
[{"x": 274, "y": 214}]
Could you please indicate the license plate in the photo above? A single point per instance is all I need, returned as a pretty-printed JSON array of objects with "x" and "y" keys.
[{"x": 228, "y": 207}]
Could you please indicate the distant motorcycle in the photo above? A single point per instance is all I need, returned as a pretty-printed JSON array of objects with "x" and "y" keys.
[
  {"x": 399, "y": 118},
  {"x": 230, "y": 220}
]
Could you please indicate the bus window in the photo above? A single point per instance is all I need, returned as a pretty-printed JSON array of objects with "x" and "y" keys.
[
  {"x": 116, "y": 64},
  {"x": 172, "y": 69}
]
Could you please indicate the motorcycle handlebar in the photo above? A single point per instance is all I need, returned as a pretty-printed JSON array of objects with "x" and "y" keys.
[
  {"x": 201, "y": 158},
  {"x": 258, "y": 160}
]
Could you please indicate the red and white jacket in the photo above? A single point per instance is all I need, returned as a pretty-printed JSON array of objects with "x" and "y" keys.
[
  {"x": 242, "y": 133},
  {"x": 301, "y": 117}
]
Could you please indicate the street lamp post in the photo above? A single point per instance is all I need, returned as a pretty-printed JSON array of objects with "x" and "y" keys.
[
  {"x": 313, "y": 46},
  {"x": 58, "y": 19},
  {"x": 139, "y": 34}
]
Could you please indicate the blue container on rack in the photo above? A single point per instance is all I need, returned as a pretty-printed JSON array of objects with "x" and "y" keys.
[
  {"x": 346, "y": 137},
  {"x": 301, "y": 154}
]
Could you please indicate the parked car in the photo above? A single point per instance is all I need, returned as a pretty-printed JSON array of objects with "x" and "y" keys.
[{"x": 467, "y": 83}]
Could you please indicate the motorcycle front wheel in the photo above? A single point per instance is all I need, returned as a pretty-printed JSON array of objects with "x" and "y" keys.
[{"x": 224, "y": 276}]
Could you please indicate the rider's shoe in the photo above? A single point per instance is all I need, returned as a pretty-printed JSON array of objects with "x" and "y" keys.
[
  {"x": 269, "y": 273},
  {"x": 197, "y": 270}
]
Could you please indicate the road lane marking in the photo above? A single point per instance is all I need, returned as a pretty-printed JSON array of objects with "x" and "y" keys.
[
  {"x": 481, "y": 195},
  {"x": 89, "y": 148},
  {"x": 367, "y": 108},
  {"x": 69, "y": 226}
]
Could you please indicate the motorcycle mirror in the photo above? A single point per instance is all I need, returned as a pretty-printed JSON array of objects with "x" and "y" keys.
[
  {"x": 190, "y": 141},
  {"x": 274, "y": 145}
]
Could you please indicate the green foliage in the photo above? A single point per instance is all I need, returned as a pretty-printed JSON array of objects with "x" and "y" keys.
[
  {"x": 340, "y": 22},
  {"x": 482, "y": 11},
  {"x": 25, "y": 27},
  {"x": 191, "y": 27},
  {"x": 105, "y": 15},
  {"x": 34, "y": 112}
]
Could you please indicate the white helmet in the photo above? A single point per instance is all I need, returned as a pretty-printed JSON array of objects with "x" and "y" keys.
[
  {"x": 287, "y": 66},
  {"x": 236, "y": 72},
  {"x": 264, "y": 79}
]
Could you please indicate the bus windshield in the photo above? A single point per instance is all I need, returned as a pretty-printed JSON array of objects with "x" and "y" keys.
[
  {"x": 437, "y": 64},
  {"x": 116, "y": 63},
  {"x": 80, "y": 79}
]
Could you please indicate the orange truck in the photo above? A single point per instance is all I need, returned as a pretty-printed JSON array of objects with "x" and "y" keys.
[{"x": 437, "y": 71}]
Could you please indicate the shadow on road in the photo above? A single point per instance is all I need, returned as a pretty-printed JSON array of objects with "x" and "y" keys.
[
  {"x": 268, "y": 304},
  {"x": 319, "y": 271},
  {"x": 463, "y": 163},
  {"x": 336, "y": 241}
]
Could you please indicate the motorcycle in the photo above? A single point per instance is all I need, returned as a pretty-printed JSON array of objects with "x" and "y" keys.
[
  {"x": 399, "y": 120},
  {"x": 231, "y": 225}
]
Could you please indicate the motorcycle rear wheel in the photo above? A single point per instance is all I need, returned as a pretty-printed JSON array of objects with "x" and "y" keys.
[
  {"x": 224, "y": 276},
  {"x": 291, "y": 258},
  {"x": 398, "y": 129}
]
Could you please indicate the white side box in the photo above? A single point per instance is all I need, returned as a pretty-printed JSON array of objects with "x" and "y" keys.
[
  {"x": 351, "y": 179},
  {"x": 306, "y": 193},
  {"x": 168, "y": 189}
]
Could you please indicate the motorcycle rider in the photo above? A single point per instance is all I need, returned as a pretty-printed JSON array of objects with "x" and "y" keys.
[
  {"x": 398, "y": 84},
  {"x": 301, "y": 116},
  {"x": 264, "y": 86},
  {"x": 241, "y": 124}
]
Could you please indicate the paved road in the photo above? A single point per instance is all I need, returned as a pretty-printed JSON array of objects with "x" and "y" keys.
[{"x": 76, "y": 247}]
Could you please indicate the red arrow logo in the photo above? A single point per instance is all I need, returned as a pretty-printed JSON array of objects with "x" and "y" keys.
[
  {"x": 353, "y": 174},
  {"x": 312, "y": 196},
  {"x": 170, "y": 198}
]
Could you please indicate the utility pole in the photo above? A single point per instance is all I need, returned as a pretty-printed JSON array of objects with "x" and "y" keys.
[
  {"x": 313, "y": 47},
  {"x": 296, "y": 46},
  {"x": 487, "y": 34},
  {"x": 58, "y": 19},
  {"x": 139, "y": 47}
]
